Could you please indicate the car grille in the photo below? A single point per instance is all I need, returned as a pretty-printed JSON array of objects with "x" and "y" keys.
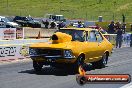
[{"x": 49, "y": 52}]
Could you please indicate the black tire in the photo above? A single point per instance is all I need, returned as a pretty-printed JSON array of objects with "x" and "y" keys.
[
  {"x": 37, "y": 66},
  {"x": 79, "y": 61},
  {"x": 101, "y": 63}
]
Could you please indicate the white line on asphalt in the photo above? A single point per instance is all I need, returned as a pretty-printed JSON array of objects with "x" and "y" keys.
[{"x": 127, "y": 85}]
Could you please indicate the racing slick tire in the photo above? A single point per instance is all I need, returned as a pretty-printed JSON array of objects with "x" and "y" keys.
[
  {"x": 37, "y": 66},
  {"x": 101, "y": 63}
]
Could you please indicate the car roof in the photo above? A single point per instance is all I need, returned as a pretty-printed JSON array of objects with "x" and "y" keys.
[{"x": 85, "y": 29}]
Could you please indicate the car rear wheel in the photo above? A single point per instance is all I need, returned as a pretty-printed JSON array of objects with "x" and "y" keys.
[
  {"x": 37, "y": 66},
  {"x": 101, "y": 63}
]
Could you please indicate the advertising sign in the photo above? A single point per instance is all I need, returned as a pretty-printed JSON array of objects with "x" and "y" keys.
[
  {"x": 13, "y": 52},
  {"x": 8, "y": 33},
  {"x": 19, "y": 33},
  {"x": 11, "y": 33}
]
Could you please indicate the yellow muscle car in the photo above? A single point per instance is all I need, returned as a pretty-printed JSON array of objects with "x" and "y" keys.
[{"x": 72, "y": 47}]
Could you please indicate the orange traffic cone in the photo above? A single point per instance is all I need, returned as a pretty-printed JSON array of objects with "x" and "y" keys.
[{"x": 39, "y": 36}]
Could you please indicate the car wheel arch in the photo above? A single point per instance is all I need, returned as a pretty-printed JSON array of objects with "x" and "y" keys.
[
  {"x": 82, "y": 54},
  {"x": 107, "y": 53}
]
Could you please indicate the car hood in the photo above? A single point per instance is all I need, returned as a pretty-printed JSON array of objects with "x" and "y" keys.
[
  {"x": 12, "y": 23},
  {"x": 58, "y": 40},
  {"x": 49, "y": 45},
  {"x": 60, "y": 37}
]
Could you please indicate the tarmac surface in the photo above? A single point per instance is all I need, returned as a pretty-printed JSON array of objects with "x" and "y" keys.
[{"x": 20, "y": 74}]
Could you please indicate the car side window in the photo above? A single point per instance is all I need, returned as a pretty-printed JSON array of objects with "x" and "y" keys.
[
  {"x": 98, "y": 36},
  {"x": 77, "y": 37},
  {"x": 92, "y": 36}
]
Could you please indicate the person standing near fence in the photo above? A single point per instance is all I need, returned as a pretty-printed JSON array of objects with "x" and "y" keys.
[
  {"x": 111, "y": 28},
  {"x": 119, "y": 35},
  {"x": 46, "y": 23},
  {"x": 52, "y": 25},
  {"x": 124, "y": 28}
]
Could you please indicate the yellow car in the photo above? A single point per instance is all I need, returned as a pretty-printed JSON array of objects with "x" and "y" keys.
[{"x": 70, "y": 48}]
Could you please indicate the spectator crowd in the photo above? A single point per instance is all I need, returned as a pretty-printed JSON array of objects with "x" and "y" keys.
[{"x": 120, "y": 31}]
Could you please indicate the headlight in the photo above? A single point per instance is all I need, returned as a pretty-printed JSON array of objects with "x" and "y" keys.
[
  {"x": 32, "y": 51},
  {"x": 68, "y": 54}
]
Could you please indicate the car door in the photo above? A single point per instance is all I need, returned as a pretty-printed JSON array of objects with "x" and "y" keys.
[
  {"x": 101, "y": 44},
  {"x": 92, "y": 47}
]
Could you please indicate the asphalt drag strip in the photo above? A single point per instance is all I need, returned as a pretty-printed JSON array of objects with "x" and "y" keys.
[{"x": 22, "y": 75}]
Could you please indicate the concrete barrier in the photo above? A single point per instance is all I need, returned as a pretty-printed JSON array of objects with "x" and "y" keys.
[{"x": 33, "y": 32}]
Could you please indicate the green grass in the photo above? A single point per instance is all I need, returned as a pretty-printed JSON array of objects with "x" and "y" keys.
[{"x": 71, "y": 9}]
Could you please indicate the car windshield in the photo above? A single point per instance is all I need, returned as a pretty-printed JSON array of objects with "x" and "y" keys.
[
  {"x": 76, "y": 34},
  {"x": 5, "y": 19}
]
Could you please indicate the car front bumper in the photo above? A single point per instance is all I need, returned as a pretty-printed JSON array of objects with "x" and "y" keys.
[{"x": 53, "y": 60}]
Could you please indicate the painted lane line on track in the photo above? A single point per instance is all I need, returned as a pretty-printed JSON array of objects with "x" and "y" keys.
[{"x": 127, "y": 85}]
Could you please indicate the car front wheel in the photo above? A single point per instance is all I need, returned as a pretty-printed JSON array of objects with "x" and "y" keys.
[{"x": 101, "y": 63}]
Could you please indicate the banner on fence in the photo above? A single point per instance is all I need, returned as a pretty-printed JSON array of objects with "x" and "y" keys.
[
  {"x": 14, "y": 52},
  {"x": 11, "y": 33}
]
